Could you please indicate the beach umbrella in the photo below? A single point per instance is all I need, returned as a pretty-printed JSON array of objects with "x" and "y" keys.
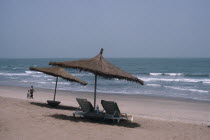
[
  {"x": 58, "y": 72},
  {"x": 99, "y": 67}
]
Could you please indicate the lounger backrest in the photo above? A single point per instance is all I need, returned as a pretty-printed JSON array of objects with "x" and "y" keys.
[
  {"x": 110, "y": 107},
  {"x": 85, "y": 105}
]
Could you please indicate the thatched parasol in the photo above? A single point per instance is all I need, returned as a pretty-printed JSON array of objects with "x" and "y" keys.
[
  {"x": 58, "y": 72},
  {"x": 99, "y": 67}
]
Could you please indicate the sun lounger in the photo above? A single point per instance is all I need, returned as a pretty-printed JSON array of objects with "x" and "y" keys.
[
  {"x": 112, "y": 111},
  {"x": 85, "y": 106}
]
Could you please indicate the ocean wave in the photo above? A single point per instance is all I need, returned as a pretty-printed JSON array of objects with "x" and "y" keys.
[
  {"x": 14, "y": 78},
  {"x": 174, "y": 80},
  {"x": 206, "y": 82},
  {"x": 36, "y": 75},
  {"x": 196, "y": 75},
  {"x": 174, "y": 74},
  {"x": 25, "y": 81},
  {"x": 42, "y": 82},
  {"x": 155, "y": 74},
  {"x": 14, "y": 74},
  {"x": 31, "y": 72},
  {"x": 17, "y": 68},
  {"x": 177, "y": 74},
  {"x": 186, "y": 89},
  {"x": 47, "y": 76},
  {"x": 62, "y": 83},
  {"x": 162, "y": 74},
  {"x": 154, "y": 85}
]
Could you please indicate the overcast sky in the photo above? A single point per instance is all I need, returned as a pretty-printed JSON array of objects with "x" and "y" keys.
[{"x": 124, "y": 28}]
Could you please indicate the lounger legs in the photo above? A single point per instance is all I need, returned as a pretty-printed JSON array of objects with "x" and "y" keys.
[
  {"x": 132, "y": 119},
  {"x": 118, "y": 119}
]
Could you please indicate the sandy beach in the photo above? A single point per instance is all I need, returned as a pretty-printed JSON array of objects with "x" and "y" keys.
[
  {"x": 150, "y": 58},
  {"x": 154, "y": 117}
]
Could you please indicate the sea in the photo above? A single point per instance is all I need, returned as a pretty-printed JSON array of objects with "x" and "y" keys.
[{"x": 185, "y": 78}]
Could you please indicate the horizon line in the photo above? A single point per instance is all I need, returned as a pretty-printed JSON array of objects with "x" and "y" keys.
[{"x": 106, "y": 57}]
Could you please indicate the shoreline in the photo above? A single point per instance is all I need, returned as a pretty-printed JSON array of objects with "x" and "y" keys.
[
  {"x": 117, "y": 94},
  {"x": 188, "y": 111},
  {"x": 106, "y": 94}
]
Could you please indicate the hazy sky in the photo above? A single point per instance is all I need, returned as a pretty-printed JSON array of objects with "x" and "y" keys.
[{"x": 124, "y": 28}]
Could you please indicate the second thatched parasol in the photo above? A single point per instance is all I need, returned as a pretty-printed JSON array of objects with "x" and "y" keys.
[
  {"x": 99, "y": 67},
  {"x": 58, "y": 72}
]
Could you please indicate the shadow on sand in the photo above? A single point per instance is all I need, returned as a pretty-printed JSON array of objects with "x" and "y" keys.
[
  {"x": 62, "y": 107},
  {"x": 122, "y": 123}
]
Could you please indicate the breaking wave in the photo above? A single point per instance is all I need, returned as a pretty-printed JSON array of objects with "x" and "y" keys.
[
  {"x": 188, "y": 89},
  {"x": 177, "y": 74}
]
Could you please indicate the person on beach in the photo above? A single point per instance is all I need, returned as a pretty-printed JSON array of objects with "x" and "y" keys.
[
  {"x": 32, "y": 92},
  {"x": 28, "y": 94}
]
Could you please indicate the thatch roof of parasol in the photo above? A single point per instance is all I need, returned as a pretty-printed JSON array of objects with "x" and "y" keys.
[
  {"x": 58, "y": 72},
  {"x": 99, "y": 66}
]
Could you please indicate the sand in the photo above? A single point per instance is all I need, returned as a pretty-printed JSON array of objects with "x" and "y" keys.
[{"x": 154, "y": 117}]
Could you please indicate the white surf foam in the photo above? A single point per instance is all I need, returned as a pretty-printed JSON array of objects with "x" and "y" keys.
[
  {"x": 155, "y": 74},
  {"x": 31, "y": 72},
  {"x": 174, "y": 74},
  {"x": 13, "y": 74},
  {"x": 62, "y": 83},
  {"x": 167, "y": 74},
  {"x": 36, "y": 75},
  {"x": 42, "y": 82},
  {"x": 186, "y": 89},
  {"x": 173, "y": 80},
  {"x": 154, "y": 85}
]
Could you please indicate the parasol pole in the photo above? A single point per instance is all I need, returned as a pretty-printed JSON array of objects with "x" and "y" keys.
[
  {"x": 55, "y": 87},
  {"x": 96, "y": 83},
  {"x": 95, "y": 91}
]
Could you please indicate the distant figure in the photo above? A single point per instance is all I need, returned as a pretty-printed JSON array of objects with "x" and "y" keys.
[
  {"x": 32, "y": 92},
  {"x": 28, "y": 94}
]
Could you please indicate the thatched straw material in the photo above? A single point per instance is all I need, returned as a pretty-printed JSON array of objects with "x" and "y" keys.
[
  {"x": 58, "y": 72},
  {"x": 99, "y": 66}
]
